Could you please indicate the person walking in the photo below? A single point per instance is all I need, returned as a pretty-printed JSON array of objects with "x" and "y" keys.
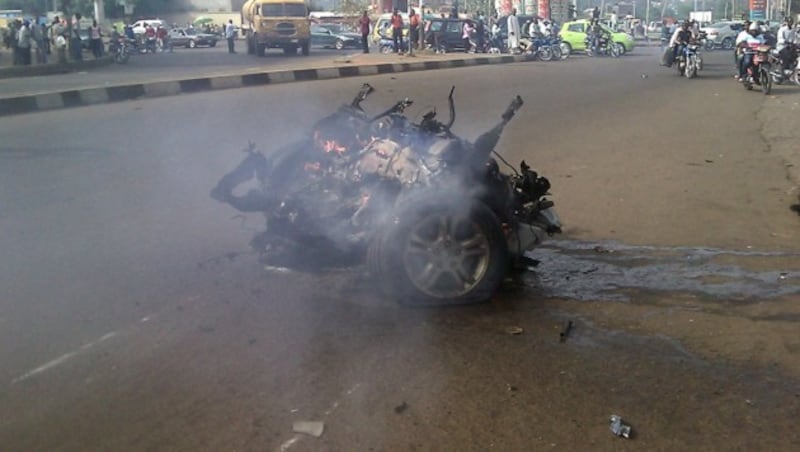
[
  {"x": 75, "y": 39},
  {"x": 58, "y": 40},
  {"x": 230, "y": 33},
  {"x": 397, "y": 31},
  {"x": 363, "y": 24}
]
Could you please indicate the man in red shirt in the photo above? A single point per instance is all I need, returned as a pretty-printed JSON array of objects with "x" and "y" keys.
[
  {"x": 413, "y": 29},
  {"x": 363, "y": 24},
  {"x": 397, "y": 31}
]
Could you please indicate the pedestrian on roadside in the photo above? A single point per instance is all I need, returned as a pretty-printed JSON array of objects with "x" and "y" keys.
[
  {"x": 513, "y": 32},
  {"x": 413, "y": 29},
  {"x": 466, "y": 35},
  {"x": 75, "y": 39},
  {"x": 230, "y": 33},
  {"x": 363, "y": 24},
  {"x": 39, "y": 34},
  {"x": 13, "y": 32},
  {"x": 59, "y": 40},
  {"x": 397, "y": 31},
  {"x": 24, "y": 43},
  {"x": 480, "y": 33},
  {"x": 96, "y": 40}
]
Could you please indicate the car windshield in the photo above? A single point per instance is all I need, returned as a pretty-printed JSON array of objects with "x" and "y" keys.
[
  {"x": 190, "y": 32},
  {"x": 335, "y": 29},
  {"x": 284, "y": 9}
]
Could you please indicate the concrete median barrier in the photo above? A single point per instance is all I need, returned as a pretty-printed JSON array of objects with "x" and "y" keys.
[{"x": 31, "y": 103}]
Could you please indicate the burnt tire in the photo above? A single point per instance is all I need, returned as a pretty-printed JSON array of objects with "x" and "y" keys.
[{"x": 440, "y": 250}]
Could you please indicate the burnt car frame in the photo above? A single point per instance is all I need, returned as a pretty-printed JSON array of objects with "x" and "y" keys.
[{"x": 430, "y": 213}]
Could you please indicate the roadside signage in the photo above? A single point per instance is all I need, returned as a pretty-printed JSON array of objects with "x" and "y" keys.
[{"x": 758, "y": 9}]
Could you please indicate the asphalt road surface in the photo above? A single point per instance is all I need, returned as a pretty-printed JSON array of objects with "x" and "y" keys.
[
  {"x": 181, "y": 64},
  {"x": 134, "y": 317}
]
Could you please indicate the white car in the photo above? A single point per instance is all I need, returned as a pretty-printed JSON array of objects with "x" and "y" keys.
[
  {"x": 141, "y": 25},
  {"x": 723, "y": 34}
]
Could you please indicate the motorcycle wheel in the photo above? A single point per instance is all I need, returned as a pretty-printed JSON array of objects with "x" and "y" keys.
[
  {"x": 765, "y": 80},
  {"x": 614, "y": 50},
  {"x": 691, "y": 67},
  {"x": 386, "y": 49},
  {"x": 589, "y": 51},
  {"x": 440, "y": 252},
  {"x": 796, "y": 76},
  {"x": 121, "y": 57},
  {"x": 709, "y": 45},
  {"x": 556, "y": 51},
  {"x": 545, "y": 53}
]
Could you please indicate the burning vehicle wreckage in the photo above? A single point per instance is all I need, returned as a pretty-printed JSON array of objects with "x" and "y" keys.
[{"x": 431, "y": 214}]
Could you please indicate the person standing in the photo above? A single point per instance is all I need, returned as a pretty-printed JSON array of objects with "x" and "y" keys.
[
  {"x": 513, "y": 32},
  {"x": 39, "y": 34},
  {"x": 24, "y": 43},
  {"x": 480, "y": 34},
  {"x": 96, "y": 40},
  {"x": 596, "y": 14},
  {"x": 75, "y": 39},
  {"x": 413, "y": 29},
  {"x": 230, "y": 33},
  {"x": 397, "y": 31},
  {"x": 363, "y": 24},
  {"x": 466, "y": 35}
]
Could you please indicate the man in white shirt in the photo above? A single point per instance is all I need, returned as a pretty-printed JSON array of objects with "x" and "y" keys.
[
  {"x": 752, "y": 40},
  {"x": 230, "y": 35},
  {"x": 513, "y": 32}
]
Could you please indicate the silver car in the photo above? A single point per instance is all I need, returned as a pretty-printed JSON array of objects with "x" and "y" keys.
[{"x": 723, "y": 34}]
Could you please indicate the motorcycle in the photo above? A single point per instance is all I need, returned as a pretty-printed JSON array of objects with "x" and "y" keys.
[
  {"x": 704, "y": 42},
  {"x": 120, "y": 49},
  {"x": 778, "y": 73},
  {"x": 604, "y": 46},
  {"x": 430, "y": 213},
  {"x": 689, "y": 62},
  {"x": 758, "y": 72},
  {"x": 545, "y": 48}
]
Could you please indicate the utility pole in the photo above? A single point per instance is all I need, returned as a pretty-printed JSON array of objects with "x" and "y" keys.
[{"x": 99, "y": 11}]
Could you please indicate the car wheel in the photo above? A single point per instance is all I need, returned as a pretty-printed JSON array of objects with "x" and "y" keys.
[
  {"x": 566, "y": 50},
  {"x": 192, "y": 44},
  {"x": 727, "y": 44},
  {"x": 213, "y": 44},
  {"x": 621, "y": 48},
  {"x": 440, "y": 250},
  {"x": 339, "y": 45}
]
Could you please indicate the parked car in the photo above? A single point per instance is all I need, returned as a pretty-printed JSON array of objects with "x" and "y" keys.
[
  {"x": 573, "y": 34},
  {"x": 189, "y": 38},
  {"x": 382, "y": 27},
  {"x": 325, "y": 36},
  {"x": 723, "y": 34},
  {"x": 446, "y": 34}
]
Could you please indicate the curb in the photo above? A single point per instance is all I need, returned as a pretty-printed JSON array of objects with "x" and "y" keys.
[
  {"x": 53, "y": 68},
  {"x": 101, "y": 95}
]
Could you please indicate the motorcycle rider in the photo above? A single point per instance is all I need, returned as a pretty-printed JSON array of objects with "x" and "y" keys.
[
  {"x": 753, "y": 39},
  {"x": 150, "y": 38},
  {"x": 787, "y": 37},
  {"x": 680, "y": 38}
]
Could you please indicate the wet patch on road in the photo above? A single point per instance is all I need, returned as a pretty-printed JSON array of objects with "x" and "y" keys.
[{"x": 610, "y": 271}]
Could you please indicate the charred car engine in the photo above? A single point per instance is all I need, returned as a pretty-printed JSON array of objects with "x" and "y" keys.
[{"x": 431, "y": 214}]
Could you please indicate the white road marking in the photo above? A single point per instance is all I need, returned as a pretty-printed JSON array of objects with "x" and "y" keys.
[{"x": 62, "y": 359}]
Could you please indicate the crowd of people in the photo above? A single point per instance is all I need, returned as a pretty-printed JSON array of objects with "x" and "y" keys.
[{"x": 31, "y": 42}]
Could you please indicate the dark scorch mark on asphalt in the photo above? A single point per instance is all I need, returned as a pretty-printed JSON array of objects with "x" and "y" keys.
[{"x": 610, "y": 271}]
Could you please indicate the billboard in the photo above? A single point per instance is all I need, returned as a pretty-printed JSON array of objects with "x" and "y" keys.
[{"x": 758, "y": 9}]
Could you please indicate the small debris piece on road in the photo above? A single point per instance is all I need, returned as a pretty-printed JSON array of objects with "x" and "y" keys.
[
  {"x": 313, "y": 428},
  {"x": 618, "y": 428},
  {"x": 514, "y": 330},
  {"x": 399, "y": 409},
  {"x": 565, "y": 332}
]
